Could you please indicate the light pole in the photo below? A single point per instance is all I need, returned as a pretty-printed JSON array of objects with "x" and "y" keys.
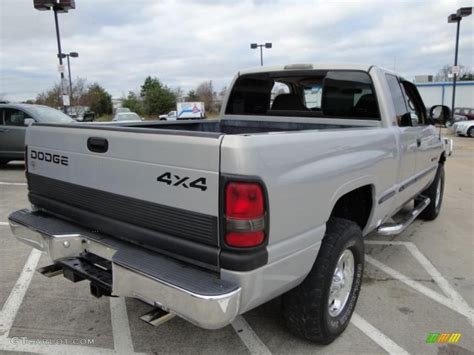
[
  {"x": 456, "y": 18},
  {"x": 67, "y": 55},
  {"x": 57, "y": 6},
  {"x": 255, "y": 46}
]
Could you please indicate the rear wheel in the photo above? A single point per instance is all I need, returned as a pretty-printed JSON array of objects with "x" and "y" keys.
[
  {"x": 470, "y": 132},
  {"x": 319, "y": 309},
  {"x": 435, "y": 192}
]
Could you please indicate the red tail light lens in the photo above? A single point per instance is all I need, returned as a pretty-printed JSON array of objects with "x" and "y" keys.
[
  {"x": 245, "y": 214},
  {"x": 244, "y": 200}
]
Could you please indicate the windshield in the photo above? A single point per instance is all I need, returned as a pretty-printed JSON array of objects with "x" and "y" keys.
[
  {"x": 127, "y": 116},
  {"x": 46, "y": 114}
]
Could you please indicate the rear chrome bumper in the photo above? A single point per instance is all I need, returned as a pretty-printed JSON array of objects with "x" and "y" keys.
[{"x": 210, "y": 311}]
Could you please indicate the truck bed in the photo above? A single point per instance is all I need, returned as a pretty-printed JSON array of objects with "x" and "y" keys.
[{"x": 232, "y": 127}]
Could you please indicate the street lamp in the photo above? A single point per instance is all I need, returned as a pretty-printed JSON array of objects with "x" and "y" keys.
[
  {"x": 57, "y": 6},
  {"x": 255, "y": 46},
  {"x": 456, "y": 18},
  {"x": 67, "y": 55}
]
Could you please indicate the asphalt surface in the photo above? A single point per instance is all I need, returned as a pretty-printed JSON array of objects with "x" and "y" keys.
[{"x": 418, "y": 283}]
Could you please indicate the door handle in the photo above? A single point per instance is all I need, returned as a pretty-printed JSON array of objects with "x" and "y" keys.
[
  {"x": 97, "y": 144},
  {"x": 418, "y": 142},
  {"x": 3, "y": 130}
]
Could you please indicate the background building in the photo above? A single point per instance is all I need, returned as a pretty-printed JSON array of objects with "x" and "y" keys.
[{"x": 440, "y": 93}]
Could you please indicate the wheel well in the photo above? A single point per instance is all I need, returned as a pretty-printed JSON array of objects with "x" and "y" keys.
[{"x": 355, "y": 206}]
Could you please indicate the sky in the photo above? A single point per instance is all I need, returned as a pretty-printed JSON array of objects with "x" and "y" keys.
[{"x": 184, "y": 43}]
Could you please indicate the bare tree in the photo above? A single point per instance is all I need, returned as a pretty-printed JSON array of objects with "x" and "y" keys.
[
  {"x": 79, "y": 90},
  {"x": 205, "y": 94},
  {"x": 444, "y": 74},
  {"x": 51, "y": 97}
]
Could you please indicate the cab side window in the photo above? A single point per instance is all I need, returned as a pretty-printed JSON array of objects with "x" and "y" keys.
[
  {"x": 415, "y": 104},
  {"x": 398, "y": 98},
  {"x": 13, "y": 117}
]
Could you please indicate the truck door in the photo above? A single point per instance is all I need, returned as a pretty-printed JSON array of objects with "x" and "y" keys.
[
  {"x": 429, "y": 145},
  {"x": 12, "y": 133},
  {"x": 407, "y": 142}
]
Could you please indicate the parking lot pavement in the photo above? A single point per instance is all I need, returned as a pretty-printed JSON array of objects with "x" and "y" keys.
[{"x": 417, "y": 283}]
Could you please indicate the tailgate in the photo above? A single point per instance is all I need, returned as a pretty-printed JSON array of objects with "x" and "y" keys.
[{"x": 153, "y": 187}]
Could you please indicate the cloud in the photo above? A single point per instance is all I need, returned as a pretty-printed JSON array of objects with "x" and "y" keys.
[{"x": 186, "y": 42}]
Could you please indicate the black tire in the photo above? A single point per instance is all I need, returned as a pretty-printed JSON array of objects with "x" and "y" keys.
[
  {"x": 432, "y": 211},
  {"x": 470, "y": 132},
  {"x": 306, "y": 307}
]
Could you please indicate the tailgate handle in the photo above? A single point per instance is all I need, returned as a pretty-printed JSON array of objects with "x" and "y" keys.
[{"x": 97, "y": 144}]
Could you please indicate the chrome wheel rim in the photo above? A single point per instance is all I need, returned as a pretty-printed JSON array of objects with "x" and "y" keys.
[
  {"x": 341, "y": 284},
  {"x": 438, "y": 193}
]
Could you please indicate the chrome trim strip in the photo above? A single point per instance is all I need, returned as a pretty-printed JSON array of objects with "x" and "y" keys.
[
  {"x": 387, "y": 196},
  {"x": 417, "y": 177}
]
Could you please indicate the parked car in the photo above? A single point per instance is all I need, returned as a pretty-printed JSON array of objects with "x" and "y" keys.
[
  {"x": 207, "y": 220},
  {"x": 170, "y": 116},
  {"x": 465, "y": 128},
  {"x": 465, "y": 111},
  {"x": 121, "y": 110},
  {"x": 14, "y": 119},
  {"x": 87, "y": 116},
  {"x": 127, "y": 116},
  {"x": 456, "y": 118}
]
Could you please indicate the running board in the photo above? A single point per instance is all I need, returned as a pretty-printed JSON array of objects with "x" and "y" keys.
[
  {"x": 156, "y": 317},
  {"x": 397, "y": 228}
]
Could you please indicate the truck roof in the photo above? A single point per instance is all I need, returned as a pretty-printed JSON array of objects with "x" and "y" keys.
[{"x": 340, "y": 66}]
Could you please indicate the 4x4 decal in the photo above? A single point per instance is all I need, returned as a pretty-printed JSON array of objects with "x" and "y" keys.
[{"x": 176, "y": 180}]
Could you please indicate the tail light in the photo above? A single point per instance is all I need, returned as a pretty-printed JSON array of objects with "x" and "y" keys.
[{"x": 245, "y": 214}]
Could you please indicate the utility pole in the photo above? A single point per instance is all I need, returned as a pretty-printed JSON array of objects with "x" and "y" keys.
[
  {"x": 456, "y": 18},
  {"x": 57, "y": 6},
  {"x": 255, "y": 46},
  {"x": 60, "y": 57}
]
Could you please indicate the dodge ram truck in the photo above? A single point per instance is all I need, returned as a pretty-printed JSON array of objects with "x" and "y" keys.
[{"x": 208, "y": 219}]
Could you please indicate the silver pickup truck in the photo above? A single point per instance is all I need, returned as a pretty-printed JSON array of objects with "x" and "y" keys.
[{"x": 208, "y": 219}]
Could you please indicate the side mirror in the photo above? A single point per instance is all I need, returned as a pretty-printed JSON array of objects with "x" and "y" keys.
[
  {"x": 440, "y": 114},
  {"x": 28, "y": 121}
]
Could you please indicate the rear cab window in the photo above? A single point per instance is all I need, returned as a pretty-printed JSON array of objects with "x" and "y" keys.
[{"x": 316, "y": 93}]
